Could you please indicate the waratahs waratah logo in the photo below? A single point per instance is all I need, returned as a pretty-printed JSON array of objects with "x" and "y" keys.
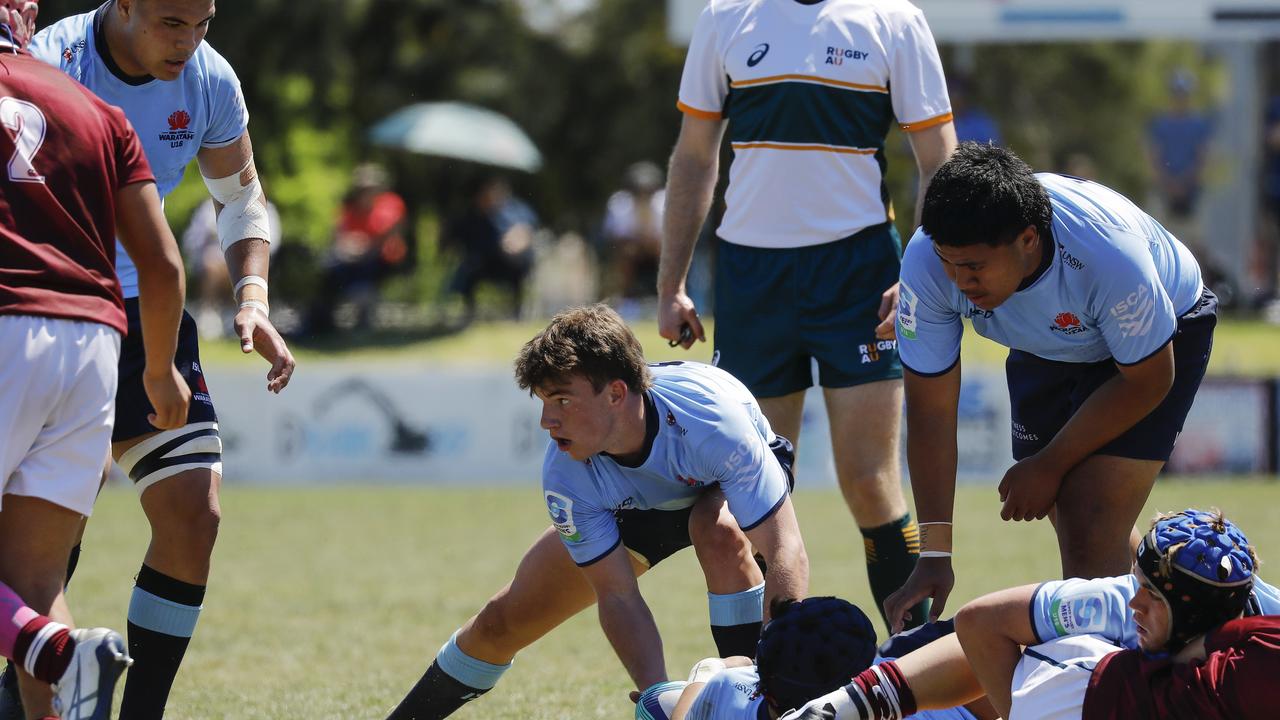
[{"x": 179, "y": 120}]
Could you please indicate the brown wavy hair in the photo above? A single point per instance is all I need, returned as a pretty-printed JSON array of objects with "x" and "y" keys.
[{"x": 591, "y": 341}]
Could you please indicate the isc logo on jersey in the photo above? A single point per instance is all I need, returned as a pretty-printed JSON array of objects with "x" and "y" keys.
[
  {"x": 1135, "y": 313},
  {"x": 561, "y": 509},
  {"x": 1078, "y": 614}
]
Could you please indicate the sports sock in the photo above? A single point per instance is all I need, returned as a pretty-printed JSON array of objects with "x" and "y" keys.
[
  {"x": 10, "y": 699},
  {"x": 454, "y": 679},
  {"x": 162, "y": 617},
  {"x": 735, "y": 621},
  {"x": 892, "y": 550},
  {"x": 41, "y": 646},
  {"x": 881, "y": 692}
]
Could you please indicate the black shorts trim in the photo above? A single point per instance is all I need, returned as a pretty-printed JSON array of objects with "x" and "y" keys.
[
  {"x": 940, "y": 373},
  {"x": 1031, "y": 613},
  {"x": 601, "y": 556}
]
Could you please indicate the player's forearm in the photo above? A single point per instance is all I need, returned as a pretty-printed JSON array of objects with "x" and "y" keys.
[
  {"x": 629, "y": 625},
  {"x": 249, "y": 258},
  {"x": 931, "y": 443},
  {"x": 787, "y": 575},
  {"x": 146, "y": 236},
  {"x": 993, "y": 630},
  {"x": 690, "y": 186},
  {"x": 940, "y": 676}
]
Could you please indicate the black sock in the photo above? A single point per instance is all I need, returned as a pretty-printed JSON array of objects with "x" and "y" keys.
[
  {"x": 436, "y": 695},
  {"x": 736, "y": 639},
  {"x": 162, "y": 617},
  {"x": 892, "y": 550}
]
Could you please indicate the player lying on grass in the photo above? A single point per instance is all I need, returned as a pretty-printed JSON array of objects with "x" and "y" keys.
[
  {"x": 810, "y": 647},
  {"x": 644, "y": 460},
  {"x": 1191, "y": 633}
]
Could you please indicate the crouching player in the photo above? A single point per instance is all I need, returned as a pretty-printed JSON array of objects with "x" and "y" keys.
[
  {"x": 644, "y": 460},
  {"x": 810, "y": 647},
  {"x": 1190, "y": 633}
]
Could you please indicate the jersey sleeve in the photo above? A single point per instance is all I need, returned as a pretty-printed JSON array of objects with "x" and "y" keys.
[
  {"x": 1134, "y": 313},
  {"x": 739, "y": 459},
  {"x": 228, "y": 115},
  {"x": 704, "y": 83},
  {"x": 588, "y": 530},
  {"x": 729, "y": 695},
  {"x": 917, "y": 85},
  {"x": 1266, "y": 597},
  {"x": 1079, "y": 607},
  {"x": 929, "y": 331}
]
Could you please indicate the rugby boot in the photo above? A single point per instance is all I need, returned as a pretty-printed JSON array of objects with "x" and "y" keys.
[{"x": 86, "y": 688}]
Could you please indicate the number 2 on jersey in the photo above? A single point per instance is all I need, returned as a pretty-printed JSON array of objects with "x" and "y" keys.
[{"x": 27, "y": 124}]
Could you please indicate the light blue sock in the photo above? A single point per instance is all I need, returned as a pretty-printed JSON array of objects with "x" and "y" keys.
[
  {"x": 737, "y": 608},
  {"x": 468, "y": 670}
]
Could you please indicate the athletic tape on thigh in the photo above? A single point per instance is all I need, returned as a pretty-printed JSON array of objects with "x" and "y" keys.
[{"x": 170, "y": 452}]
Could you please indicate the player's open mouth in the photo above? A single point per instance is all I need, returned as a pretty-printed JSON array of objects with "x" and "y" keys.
[
  {"x": 175, "y": 64},
  {"x": 562, "y": 443}
]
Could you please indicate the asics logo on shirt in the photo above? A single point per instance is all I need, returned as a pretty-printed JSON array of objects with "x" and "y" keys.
[{"x": 761, "y": 50}]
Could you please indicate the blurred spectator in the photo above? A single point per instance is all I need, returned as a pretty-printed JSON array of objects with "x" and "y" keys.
[
  {"x": 368, "y": 245},
  {"x": 1178, "y": 142},
  {"x": 972, "y": 122},
  {"x": 495, "y": 238},
  {"x": 1270, "y": 260},
  {"x": 633, "y": 234},
  {"x": 210, "y": 283}
]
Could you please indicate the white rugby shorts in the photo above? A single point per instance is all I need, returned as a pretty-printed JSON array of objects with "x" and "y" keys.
[
  {"x": 57, "y": 404},
  {"x": 1051, "y": 678}
]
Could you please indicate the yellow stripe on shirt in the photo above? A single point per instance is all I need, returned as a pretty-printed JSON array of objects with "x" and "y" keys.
[
  {"x": 807, "y": 78},
  {"x": 809, "y": 147}
]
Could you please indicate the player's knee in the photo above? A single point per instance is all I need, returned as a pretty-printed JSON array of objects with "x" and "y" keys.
[{"x": 191, "y": 520}]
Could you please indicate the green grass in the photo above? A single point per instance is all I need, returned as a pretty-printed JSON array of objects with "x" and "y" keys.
[
  {"x": 329, "y": 603},
  {"x": 1249, "y": 348}
]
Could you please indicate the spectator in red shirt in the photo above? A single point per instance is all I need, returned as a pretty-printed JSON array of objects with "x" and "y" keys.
[{"x": 369, "y": 244}]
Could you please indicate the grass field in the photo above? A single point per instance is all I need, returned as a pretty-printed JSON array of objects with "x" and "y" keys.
[{"x": 330, "y": 603}]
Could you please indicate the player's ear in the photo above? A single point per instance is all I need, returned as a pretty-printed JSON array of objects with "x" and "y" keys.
[{"x": 617, "y": 391}]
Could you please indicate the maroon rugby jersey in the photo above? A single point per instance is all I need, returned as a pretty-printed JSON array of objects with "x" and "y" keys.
[
  {"x": 1238, "y": 680},
  {"x": 65, "y": 153}
]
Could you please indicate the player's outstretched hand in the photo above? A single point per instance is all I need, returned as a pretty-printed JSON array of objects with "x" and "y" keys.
[
  {"x": 932, "y": 578},
  {"x": 257, "y": 333},
  {"x": 813, "y": 710},
  {"x": 888, "y": 327},
  {"x": 169, "y": 395},
  {"x": 676, "y": 312},
  {"x": 1029, "y": 490}
]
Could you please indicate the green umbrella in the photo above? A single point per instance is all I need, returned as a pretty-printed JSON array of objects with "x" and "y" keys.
[{"x": 458, "y": 130}]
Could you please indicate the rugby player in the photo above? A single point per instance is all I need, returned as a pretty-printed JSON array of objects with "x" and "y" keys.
[
  {"x": 1192, "y": 632},
  {"x": 808, "y": 258},
  {"x": 810, "y": 647},
  {"x": 1109, "y": 328},
  {"x": 149, "y": 58},
  {"x": 75, "y": 174},
  {"x": 644, "y": 460}
]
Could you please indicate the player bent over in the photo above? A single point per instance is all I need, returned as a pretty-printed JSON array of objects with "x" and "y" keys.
[
  {"x": 810, "y": 647},
  {"x": 76, "y": 173},
  {"x": 644, "y": 460},
  {"x": 1191, "y": 633},
  {"x": 149, "y": 58},
  {"x": 1109, "y": 327}
]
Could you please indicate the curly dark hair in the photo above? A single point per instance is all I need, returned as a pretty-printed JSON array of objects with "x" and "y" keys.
[
  {"x": 591, "y": 341},
  {"x": 811, "y": 647},
  {"x": 984, "y": 194}
]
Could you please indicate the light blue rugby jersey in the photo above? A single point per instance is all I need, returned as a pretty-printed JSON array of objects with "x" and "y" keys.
[
  {"x": 1115, "y": 289},
  {"x": 203, "y": 108},
  {"x": 1101, "y": 607},
  {"x": 731, "y": 695},
  {"x": 707, "y": 429}
]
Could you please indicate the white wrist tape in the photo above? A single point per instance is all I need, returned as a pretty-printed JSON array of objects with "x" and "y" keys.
[
  {"x": 935, "y": 553},
  {"x": 705, "y": 669},
  {"x": 261, "y": 306},
  {"x": 249, "y": 280},
  {"x": 243, "y": 215}
]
